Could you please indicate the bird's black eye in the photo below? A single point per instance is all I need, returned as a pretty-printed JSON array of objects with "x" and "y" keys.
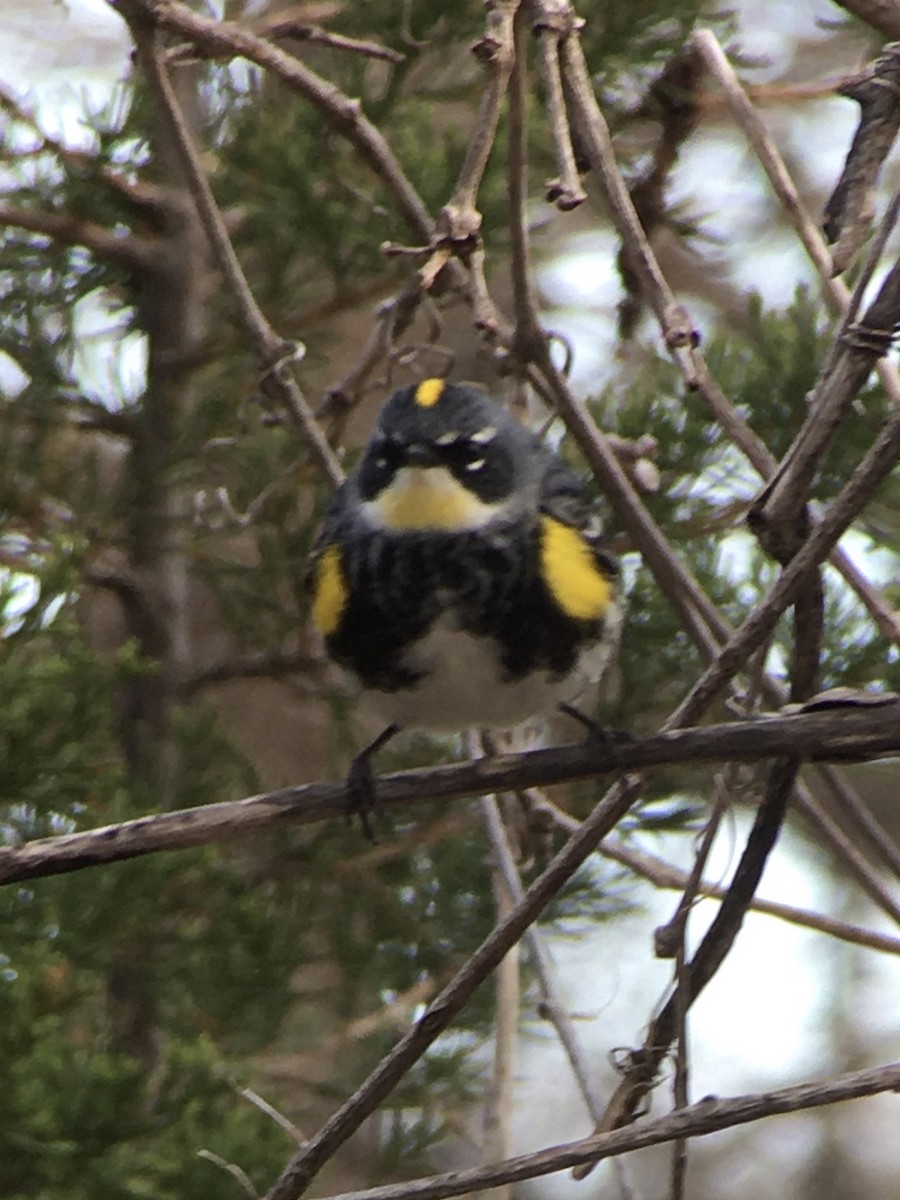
[
  {"x": 463, "y": 457},
  {"x": 379, "y": 465},
  {"x": 483, "y": 467}
]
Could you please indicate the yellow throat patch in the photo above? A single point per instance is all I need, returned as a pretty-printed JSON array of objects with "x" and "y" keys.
[
  {"x": 429, "y": 498},
  {"x": 329, "y": 592},
  {"x": 578, "y": 586}
]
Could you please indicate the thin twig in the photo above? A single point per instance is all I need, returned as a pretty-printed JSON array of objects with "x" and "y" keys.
[
  {"x": 302, "y": 32},
  {"x": 237, "y": 1173},
  {"x": 498, "y": 1105},
  {"x": 459, "y": 218},
  {"x": 270, "y": 1111},
  {"x": 553, "y": 1005},
  {"x": 643, "y": 1065},
  {"x": 567, "y": 191},
  {"x": 344, "y": 114},
  {"x": 678, "y": 330},
  {"x": 527, "y": 334},
  {"x": 272, "y": 351},
  {"x": 664, "y": 875},
  {"x": 709, "y": 1115}
]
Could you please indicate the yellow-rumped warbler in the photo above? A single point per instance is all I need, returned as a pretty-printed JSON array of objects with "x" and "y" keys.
[{"x": 459, "y": 575}]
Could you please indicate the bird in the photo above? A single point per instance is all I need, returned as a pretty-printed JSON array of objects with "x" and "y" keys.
[{"x": 459, "y": 576}]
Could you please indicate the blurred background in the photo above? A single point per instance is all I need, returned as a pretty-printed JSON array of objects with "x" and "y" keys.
[{"x": 175, "y": 1025}]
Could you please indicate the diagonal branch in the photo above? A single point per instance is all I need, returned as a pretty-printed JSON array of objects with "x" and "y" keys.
[
  {"x": 272, "y": 351},
  {"x": 708, "y": 1115},
  {"x": 880, "y": 460},
  {"x": 777, "y": 508},
  {"x": 226, "y": 38},
  {"x": 553, "y": 1005},
  {"x": 643, "y": 1065},
  {"x": 304, "y": 1167}
]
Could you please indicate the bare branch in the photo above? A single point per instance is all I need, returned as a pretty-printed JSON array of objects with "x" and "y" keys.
[
  {"x": 498, "y": 1103},
  {"x": 835, "y": 292},
  {"x": 273, "y": 352},
  {"x": 138, "y": 253},
  {"x": 553, "y": 1005},
  {"x": 878, "y": 462},
  {"x": 553, "y": 22},
  {"x": 643, "y": 1065},
  {"x": 528, "y": 339},
  {"x": 678, "y": 330},
  {"x": 459, "y": 218},
  {"x": 708, "y": 1115},
  {"x": 226, "y": 38},
  {"x": 838, "y": 734},
  {"x": 848, "y": 212},
  {"x": 665, "y": 875},
  {"x": 301, "y": 32},
  {"x": 775, "y": 512},
  {"x": 309, "y": 1161}
]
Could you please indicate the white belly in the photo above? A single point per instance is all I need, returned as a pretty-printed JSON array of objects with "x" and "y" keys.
[{"x": 464, "y": 685}]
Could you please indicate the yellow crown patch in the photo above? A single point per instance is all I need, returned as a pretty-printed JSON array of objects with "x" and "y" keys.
[{"x": 429, "y": 392}]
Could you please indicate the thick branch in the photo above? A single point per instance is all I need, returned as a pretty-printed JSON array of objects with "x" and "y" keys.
[{"x": 837, "y": 734}]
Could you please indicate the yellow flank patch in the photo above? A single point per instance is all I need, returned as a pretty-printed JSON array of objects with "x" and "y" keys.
[
  {"x": 330, "y": 592},
  {"x": 578, "y": 586},
  {"x": 429, "y": 498},
  {"x": 429, "y": 392}
]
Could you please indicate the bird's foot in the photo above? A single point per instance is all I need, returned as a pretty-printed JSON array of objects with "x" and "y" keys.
[
  {"x": 610, "y": 740},
  {"x": 362, "y": 798}
]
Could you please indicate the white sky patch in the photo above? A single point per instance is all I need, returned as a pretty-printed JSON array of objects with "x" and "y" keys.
[
  {"x": 110, "y": 363},
  {"x": 734, "y": 189},
  {"x": 879, "y": 566},
  {"x": 13, "y": 379},
  {"x": 585, "y": 274}
]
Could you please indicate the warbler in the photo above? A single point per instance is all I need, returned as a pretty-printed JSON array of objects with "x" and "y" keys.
[{"x": 459, "y": 575}]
